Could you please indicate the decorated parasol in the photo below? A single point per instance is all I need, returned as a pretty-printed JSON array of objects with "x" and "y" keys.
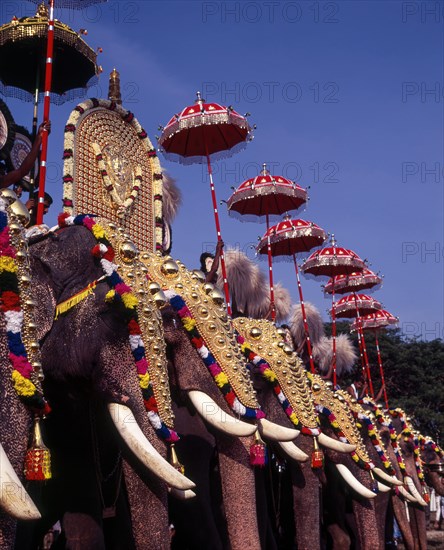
[
  {"x": 23, "y": 62},
  {"x": 356, "y": 282},
  {"x": 357, "y": 305},
  {"x": 331, "y": 261},
  {"x": 289, "y": 238},
  {"x": 269, "y": 196},
  {"x": 375, "y": 322},
  {"x": 200, "y": 132}
]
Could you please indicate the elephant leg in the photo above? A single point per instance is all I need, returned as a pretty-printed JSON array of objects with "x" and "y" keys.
[
  {"x": 193, "y": 519},
  {"x": 341, "y": 539},
  {"x": 82, "y": 532},
  {"x": 239, "y": 493},
  {"x": 403, "y": 523}
]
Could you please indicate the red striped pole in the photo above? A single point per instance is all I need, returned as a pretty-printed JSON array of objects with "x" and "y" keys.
[
  {"x": 304, "y": 317},
  {"x": 46, "y": 107},
  {"x": 270, "y": 274}
]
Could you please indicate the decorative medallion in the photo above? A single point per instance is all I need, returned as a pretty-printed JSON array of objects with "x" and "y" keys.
[
  {"x": 207, "y": 306},
  {"x": 264, "y": 339}
]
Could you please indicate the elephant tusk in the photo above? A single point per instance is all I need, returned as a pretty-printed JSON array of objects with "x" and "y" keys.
[
  {"x": 414, "y": 491},
  {"x": 292, "y": 451},
  {"x": 355, "y": 484},
  {"x": 133, "y": 436},
  {"x": 392, "y": 480},
  {"x": 210, "y": 411},
  {"x": 14, "y": 499},
  {"x": 275, "y": 432},
  {"x": 404, "y": 493},
  {"x": 382, "y": 488},
  {"x": 181, "y": 495},
  {"x": 335, "y": 444}
]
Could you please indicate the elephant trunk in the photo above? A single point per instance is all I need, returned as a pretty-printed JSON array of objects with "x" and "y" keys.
[{"x": 239, "y": 494}]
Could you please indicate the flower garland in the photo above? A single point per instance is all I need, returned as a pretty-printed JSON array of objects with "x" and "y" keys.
[
  {"x": 109, "y": 187},
  {"x": 122, "y": 293},
  {"x": 321, "y": 409},
  {"x": 384, "y": 421},
  {"x": 68, "y": 159},
  {"x": 377, "y": 443},
  {"x": 221, "y": 379},
  {"x": 427, "y": 441},
  {"x": 268, "y": 373},
  {"x": 29, "y": 391}
]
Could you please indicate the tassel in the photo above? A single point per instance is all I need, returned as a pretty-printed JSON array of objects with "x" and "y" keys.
[
  {"x": 68, "y": 304},
  {"x": 38, "y": 458},
  {"x": 174, "y": 460},
  {"x": 317, "y": 456},
  {"x": 258, "y": 452},
  {"x": 374, "y": 484},
  {"x": 425, "y": 495}
]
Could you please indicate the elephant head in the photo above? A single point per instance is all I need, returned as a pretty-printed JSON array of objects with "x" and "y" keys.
[{"x": 432, "y": 458}]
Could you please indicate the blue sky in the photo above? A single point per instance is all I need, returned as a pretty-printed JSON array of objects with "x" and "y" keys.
[{"x": 348, "y": 99}]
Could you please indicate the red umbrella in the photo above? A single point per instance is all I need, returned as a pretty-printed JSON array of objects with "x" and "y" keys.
[
  {"x": 356, "y": 305},
  {"x": 269, "y": 196},
  {"x": 288, "y": 238},
  {"x": 331, "y": 261},
  {"x": 266, "y": 195},
  {"x": 375, "y": 322},
  {"x": 198, "y": 132},
  {"x": 355, "y": 282}
]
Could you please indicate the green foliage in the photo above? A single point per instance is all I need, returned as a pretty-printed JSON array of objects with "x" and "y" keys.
[{"x": 414, "y": 376}]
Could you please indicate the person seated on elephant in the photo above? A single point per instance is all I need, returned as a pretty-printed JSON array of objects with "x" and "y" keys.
[
  {"x": 358, "y": 388},
  {"x": 209, "y": 263},
  {"x": 15, "y": 176},
  {"x": 31, "y": 205}
]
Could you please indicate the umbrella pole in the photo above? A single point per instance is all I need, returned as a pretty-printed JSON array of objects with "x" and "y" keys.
[
  {"x": 333, "y": 332},
  {"x": 304, "y": 317},
  {"x": 270, "y": 274},
  {"x": 381, "y": 370},
  {"x": 219, "y": 237},
  {"x": 46, "y": 108},
  {"x": 364, "y": 348}
]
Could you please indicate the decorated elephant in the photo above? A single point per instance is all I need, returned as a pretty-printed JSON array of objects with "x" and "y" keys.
[{"x": 95, "y": 380}]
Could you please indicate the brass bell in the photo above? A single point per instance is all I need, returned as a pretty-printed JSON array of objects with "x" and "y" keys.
[
  {"x": 255, "y": 332},
  {"x": 198, "y": 275},
  {"x": 208, "y": 287},
  {"x": 154, "y": 287},
  {"x": 9, "y": 195},
  {"x": 160, "y": 299},
  {"x": 128, "y": 251},
  {"x": 15, "y": 228},
  {"x": 170, "y": 268},
  {"x": 25, "y": 280},
  {"x": 20, "y": 210},
  {"x": 288, "y": 349},
  {"x": 217, "y": 296}
]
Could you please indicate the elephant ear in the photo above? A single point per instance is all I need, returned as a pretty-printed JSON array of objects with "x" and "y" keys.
[{"x": 43, "y": 294}]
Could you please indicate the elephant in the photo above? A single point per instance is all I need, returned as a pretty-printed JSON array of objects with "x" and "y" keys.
[
  {"x": 92, "y": 385},
  {"x": 409, "y": 445},
  {"x": 432, "y": 458},
  {"x": 199, "y": 307}
]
